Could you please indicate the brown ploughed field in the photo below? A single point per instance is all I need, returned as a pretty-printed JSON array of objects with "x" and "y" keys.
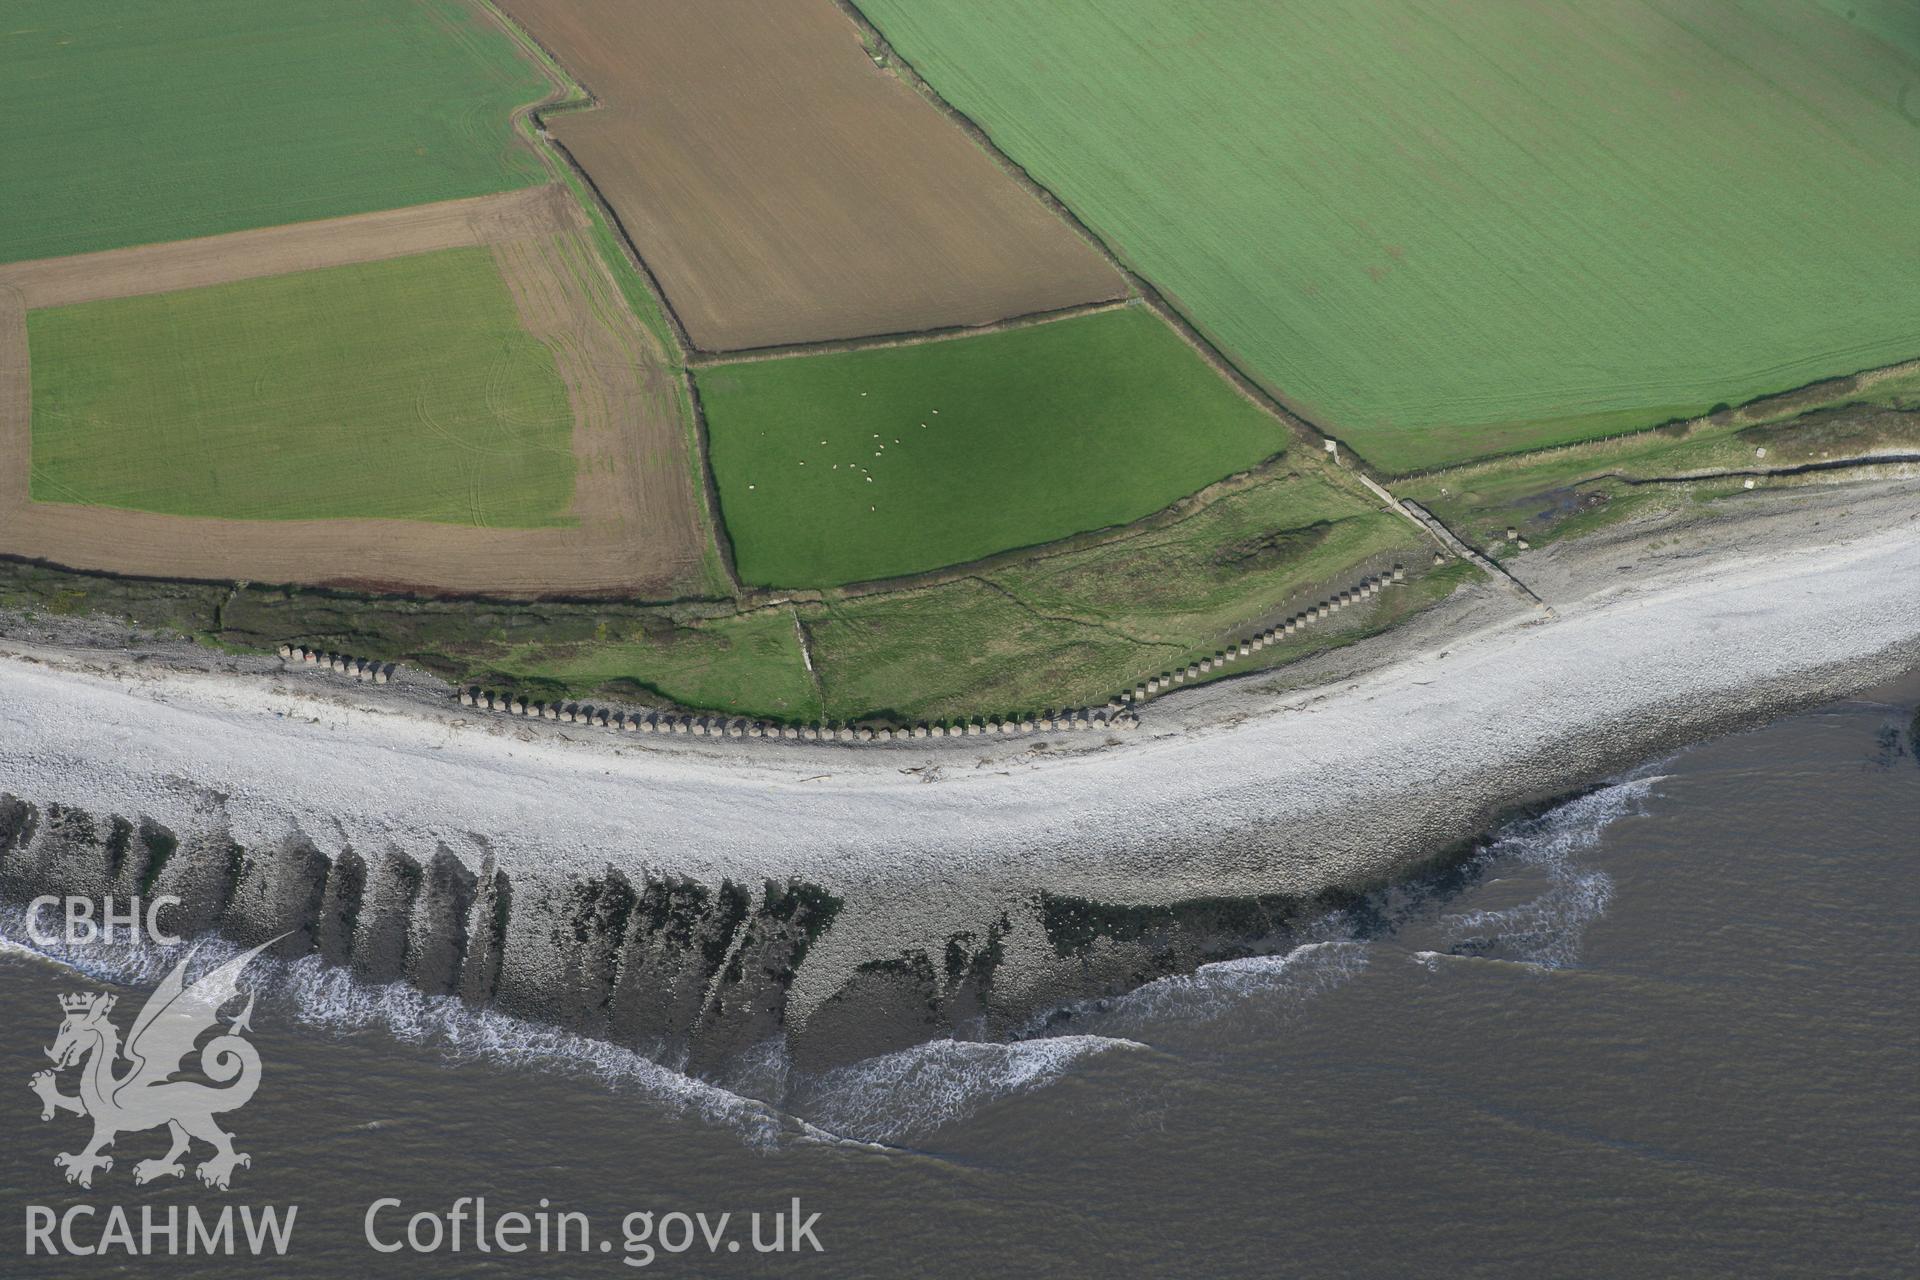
[
  {"x": 784, "y": 189},
  {"x": 640, "y": 528}
]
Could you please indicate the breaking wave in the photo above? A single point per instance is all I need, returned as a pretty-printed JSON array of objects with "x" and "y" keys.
[
  {"x": 871, "y": 1103},
  {"x": 1213, "y": 990},
  {"x": 1546, "y": 931},
  {"x": 313, "y": 994},
  {"x": 916, "y": 1091}
]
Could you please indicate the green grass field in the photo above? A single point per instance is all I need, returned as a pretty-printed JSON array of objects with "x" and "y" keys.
[
  {"x": 404, "y": 388},
  {"x": 855, "y": 466},
  {"x": 1452, "y": 230},
  {"x": 135, "y": 121}
]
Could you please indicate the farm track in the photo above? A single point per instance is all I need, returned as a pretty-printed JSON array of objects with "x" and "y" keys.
[
  {"x": 1753, "y": 413},
  {"x": 16, "y": 402},
  {"x": 819, "y": 200},
  {"x": 763, "y": 598},
  {"x": 637, "y": 533}
]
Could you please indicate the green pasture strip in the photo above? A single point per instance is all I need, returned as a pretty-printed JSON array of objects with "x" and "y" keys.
[{"x": 1568, "y": 492}]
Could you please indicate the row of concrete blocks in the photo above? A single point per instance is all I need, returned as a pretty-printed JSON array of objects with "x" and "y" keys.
[
  {"x": 1366, "y": 590},
  {"x": 339, "y": 663},
  {"x": 701, "y": 726}
]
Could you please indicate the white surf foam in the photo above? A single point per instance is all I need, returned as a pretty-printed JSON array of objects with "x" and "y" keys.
[
  {"x": 1546, "y": 931},
  {"x": 331, "y": 999},
  {"x": 916, "y": 1091},
  {"x": 1212, "y": 990},
  {"x": 870, "y": 1103}
]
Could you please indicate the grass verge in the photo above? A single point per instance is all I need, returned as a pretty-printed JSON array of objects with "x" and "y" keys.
[{"x": 1567, "y": 492}]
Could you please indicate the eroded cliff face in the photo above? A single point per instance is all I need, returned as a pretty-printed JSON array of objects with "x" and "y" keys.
[{"x": 694, "y": 975}]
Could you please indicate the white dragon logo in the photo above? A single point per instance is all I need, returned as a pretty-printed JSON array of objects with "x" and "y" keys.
[{"x": 144, "y": 1096}]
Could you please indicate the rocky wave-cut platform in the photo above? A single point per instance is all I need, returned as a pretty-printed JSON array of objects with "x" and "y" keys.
[
  {"x": 686, "y": 970},
  {"x": 697, "y": 976}
]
